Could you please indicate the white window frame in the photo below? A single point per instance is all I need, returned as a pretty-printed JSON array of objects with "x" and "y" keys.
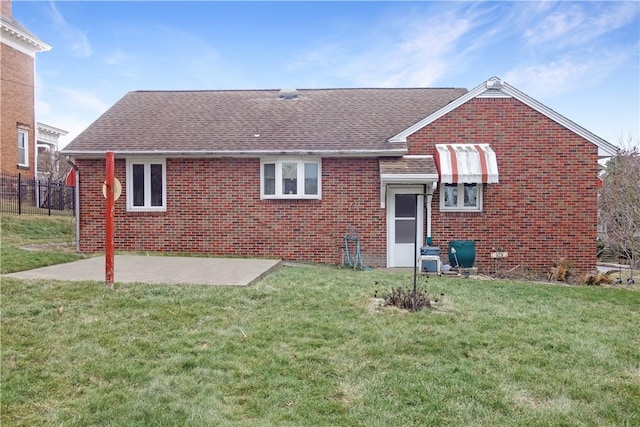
[
  {"x": 300, "y": 163},
  {"x": 460, "y": 207},
  {"x": 147, "y": 162},
  {"x": 25, "y": 149}
]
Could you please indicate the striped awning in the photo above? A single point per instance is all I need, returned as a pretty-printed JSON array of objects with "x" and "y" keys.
[{"x": 466, "y": 163}]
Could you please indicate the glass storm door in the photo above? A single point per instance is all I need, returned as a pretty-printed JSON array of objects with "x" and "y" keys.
[{"x": 404, "y": 216}]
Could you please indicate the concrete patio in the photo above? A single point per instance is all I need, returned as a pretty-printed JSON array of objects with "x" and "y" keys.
[{"x": 160, "y": 269}]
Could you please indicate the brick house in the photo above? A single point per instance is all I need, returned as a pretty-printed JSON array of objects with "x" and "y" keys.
[
  {"x": 17, "y": 122},
  {"x": 288, "y": 173}
]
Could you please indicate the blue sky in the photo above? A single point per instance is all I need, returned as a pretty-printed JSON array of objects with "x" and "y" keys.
[{"x": 579, "y": 58}]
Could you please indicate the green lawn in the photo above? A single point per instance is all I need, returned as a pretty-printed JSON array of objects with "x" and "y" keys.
[
  {"x": 306, "y": 347},
  {"x": 18, "y": 231}
]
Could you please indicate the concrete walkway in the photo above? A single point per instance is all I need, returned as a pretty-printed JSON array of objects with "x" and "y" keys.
[
  {"x": 612, "y": 267},
  {"x": 159, "y": 269}
]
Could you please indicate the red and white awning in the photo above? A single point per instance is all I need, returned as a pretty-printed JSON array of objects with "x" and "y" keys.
[{"x": 466, "y": 163}]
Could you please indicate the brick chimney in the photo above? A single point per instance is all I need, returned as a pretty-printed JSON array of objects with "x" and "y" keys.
[{"x": 6, "y": 7}]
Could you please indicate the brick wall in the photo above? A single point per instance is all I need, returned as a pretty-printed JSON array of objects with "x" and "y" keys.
[
  {"x": 545, "y": 205},
  {"x": 214, "y": 207},
  {"x": 17, "y": 108}
]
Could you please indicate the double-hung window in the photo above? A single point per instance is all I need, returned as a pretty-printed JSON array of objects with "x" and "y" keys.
[
  {"x": 461, "y": 197},
  {"x": 146, "y": 185},
  {"x": 290, "y": 178},
  {"x": 23, "y": 147}
]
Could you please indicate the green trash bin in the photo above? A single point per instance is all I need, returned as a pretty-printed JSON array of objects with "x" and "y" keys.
[{"x": 465, "y": 253}]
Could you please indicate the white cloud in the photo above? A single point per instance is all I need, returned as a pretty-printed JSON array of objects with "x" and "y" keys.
[
  {"x": 42, "y": 108},
  {"x": 569, "y": 47},
  {"x": 324, "y": 55},
  {"x": 427, "y": 50},
  {"x": 565, "y": 74},
  {"x": 74, "y": 124},
  {"x": 553, "y": 78},
  {"x": 83, "y": 99},
  {"x": 408, "y": 50},
  {"x": 184, "y": 59},
  {"x": 574, "y": 24},
  {"x": 195, "y": 63},
  {"x": 69, "y": 109},
  {"x": 117, "y": 57},
  {"x": 556, "y": 25},
  {"x": 76, "y": 39}
]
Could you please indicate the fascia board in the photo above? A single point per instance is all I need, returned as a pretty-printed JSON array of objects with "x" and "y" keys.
[
  {"x": 605, "y": 148},
  {"x": 402, "y": 136},
  {"x": 247, "y": 154},
  {"x": 400, "y": 178}
]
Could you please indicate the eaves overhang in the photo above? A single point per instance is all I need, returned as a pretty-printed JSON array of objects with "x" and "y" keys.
[
  {"x": 51, "y": 129},
  {"x": 15, "y": 36},
  {"x": 399, "y": 178},
  {"x": 89, "y": 154},
  {"x": 495, "y": 87}
]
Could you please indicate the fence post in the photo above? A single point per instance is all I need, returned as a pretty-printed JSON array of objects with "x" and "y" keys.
[
  {"x": 19, "y": 194},
  {"x": 61, "y": 194},
  {"x": 49, "y": 195},
  {"x": 14, "y": 188}
]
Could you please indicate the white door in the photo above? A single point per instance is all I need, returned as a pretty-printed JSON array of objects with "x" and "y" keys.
[{"x": 404, "y": 225}]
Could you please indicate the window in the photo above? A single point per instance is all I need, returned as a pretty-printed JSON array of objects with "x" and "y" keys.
[
  {"x": 23, "y": 147},
  {"x": 461, "y": 197},
  {"x": 146, "y": 185},
  {"x": 289, "y": 178}
]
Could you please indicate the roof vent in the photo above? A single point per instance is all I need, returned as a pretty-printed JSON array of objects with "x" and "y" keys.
[
  {"x": 494, "y": 83},
  {"x": 288, "y": 94}
]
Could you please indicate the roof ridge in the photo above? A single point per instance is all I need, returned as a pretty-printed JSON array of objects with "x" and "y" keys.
[{"x": 304, "y": 89}]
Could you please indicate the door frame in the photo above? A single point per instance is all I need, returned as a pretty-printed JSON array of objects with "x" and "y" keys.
[{"x": 392, "y": 190}]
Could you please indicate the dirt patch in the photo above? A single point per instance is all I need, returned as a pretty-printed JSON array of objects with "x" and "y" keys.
[{"x": 57, "y": 247}]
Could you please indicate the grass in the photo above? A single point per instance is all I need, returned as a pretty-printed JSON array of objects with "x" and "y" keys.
[
  {"x": 306, "y": 347},
  {"x": 19, "y": 231}
]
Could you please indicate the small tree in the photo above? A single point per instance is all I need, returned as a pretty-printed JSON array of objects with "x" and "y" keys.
[
  {"x": 619, "y": 205},
  {"x": 53, "y": 165}
]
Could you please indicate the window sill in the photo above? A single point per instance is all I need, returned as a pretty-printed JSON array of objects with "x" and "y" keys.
[
  {"x": 461, "y": 214},
  {"x": 140, "y": 209},
  {"x": 291, "y": 201},
  {"x": 290, "y": 197},
  {"x": 146, "y": 213}
]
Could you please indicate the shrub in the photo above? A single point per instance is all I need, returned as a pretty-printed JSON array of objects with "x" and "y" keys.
[{"x": 404, "y": 298}]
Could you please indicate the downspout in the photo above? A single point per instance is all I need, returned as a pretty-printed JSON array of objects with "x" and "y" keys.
[
  {"x": 76, "y": 202},
  {"x": 430, "y": 192}
]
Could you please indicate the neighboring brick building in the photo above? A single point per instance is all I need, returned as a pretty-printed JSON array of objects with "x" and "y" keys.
[
  {"x": 288, "y": 174},
  {"x": 17, "y": 122}
]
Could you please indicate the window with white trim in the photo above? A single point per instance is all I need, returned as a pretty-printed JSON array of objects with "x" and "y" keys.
[
  {"x": 146, "y": 185},
  {"x": 461, "y": 197},
  {"x": 23, "y": 147},
  {"x": 290, "y": 178}
]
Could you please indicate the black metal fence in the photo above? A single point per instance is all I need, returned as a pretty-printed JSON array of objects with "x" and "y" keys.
[{"x": 28, "y": 196}]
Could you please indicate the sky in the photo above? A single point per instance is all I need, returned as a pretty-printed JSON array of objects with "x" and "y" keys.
[{"x": 582, "y": 59}]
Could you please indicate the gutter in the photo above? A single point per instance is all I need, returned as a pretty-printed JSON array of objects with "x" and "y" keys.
[
  {"x": 76, "y": 196},
  {"x": 241, "y": 153}
]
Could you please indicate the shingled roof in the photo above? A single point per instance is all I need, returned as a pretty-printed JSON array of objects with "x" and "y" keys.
[{"x": 251, "y": 122}]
